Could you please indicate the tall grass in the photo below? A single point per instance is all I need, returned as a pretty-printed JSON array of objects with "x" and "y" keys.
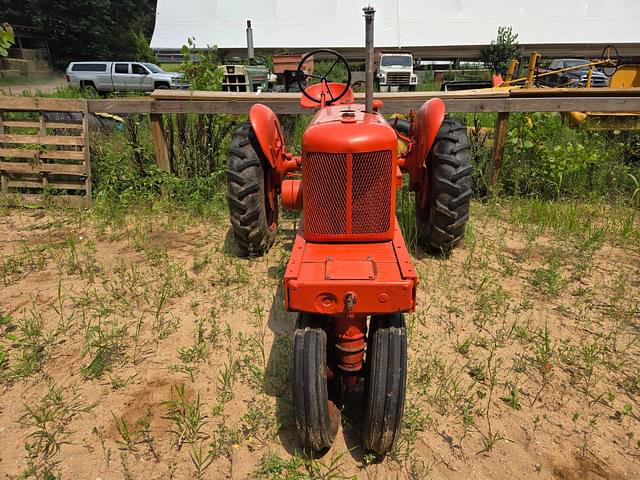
[
  {"x": 547, "y": 158},
  {"x": 406, "y": 214},
  {"x": 198, "y": 144}
]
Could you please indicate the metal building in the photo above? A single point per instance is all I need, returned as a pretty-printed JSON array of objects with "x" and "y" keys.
[{"x": 431, "y": 28}]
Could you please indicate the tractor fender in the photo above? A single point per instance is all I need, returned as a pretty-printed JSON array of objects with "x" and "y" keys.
[
  {"x": 266, "y": 128},
  {"x": 428, "y": 120}
]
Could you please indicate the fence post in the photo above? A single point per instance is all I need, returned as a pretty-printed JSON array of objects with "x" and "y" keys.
[
  {"x": 159, "y": 142},
  {"x": 499, "y": 139},
  {"x": 87, "y": 150}
]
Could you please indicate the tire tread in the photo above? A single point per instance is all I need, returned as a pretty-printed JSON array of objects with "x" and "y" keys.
[{"x": 441, "y": 225}]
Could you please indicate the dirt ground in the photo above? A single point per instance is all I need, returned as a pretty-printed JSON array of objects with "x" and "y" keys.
[
  {"x": 50, "y": 84},
  {"x": 141, "y": 347}
]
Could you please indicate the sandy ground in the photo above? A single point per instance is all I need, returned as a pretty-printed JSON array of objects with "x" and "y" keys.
[{"x": 143, "y": 348}]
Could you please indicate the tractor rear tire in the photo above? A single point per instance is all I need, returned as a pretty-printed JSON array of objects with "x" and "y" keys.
[
  {"x": 253, "y": 221},
  {"x": 441, "y": 223},
  {"x": 317, "y": 417},
  {"x": 386, "y": 382}
]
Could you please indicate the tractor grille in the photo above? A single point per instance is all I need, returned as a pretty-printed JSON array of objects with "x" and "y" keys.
[
  {"x": 371, "y": 192},
  {"x": 398, "y": 78},
  {"x": 325, "y": 180},
  {"x": 326, "y": 186}
]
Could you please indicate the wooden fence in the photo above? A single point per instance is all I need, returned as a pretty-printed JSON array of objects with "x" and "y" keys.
[
  {"x": 39, "y": 153},
  {"x": 44, "y": 147}
]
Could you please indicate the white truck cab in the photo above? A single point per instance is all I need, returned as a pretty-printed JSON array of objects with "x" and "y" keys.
[{"x": 395, "y": 72}]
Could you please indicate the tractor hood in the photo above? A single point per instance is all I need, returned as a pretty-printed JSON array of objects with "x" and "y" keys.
[{"x": 348, "y": 129}]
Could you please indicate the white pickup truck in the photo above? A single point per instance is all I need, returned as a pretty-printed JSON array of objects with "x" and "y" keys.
[
  {"x": 395, "y": 72},
  {"x": 103, "y": 77}
]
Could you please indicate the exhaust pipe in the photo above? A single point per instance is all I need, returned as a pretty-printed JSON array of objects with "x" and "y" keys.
[
  {"x": 369, "y": 13},
  {"x": 250, "y": 53}
]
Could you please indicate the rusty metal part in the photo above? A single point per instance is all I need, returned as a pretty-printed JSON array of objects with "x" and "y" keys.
[{"x": 350, "y": 340}]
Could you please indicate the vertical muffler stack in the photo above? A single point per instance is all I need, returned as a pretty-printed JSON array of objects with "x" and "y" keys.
[
  {"x": 369, "y": 13},
  {"x": 250, "y": 53}
]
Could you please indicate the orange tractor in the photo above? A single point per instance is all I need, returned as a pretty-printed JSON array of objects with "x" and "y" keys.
[{"x": 350, "y": 275}]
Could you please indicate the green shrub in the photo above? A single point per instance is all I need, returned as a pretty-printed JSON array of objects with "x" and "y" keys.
[
  {"x": 548, "y": 158},
  {"x": 204, "y": 73},
  {"x": 126, "y": 174}
]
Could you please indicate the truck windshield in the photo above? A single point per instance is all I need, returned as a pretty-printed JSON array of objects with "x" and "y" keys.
[
  {"x": 153, "y": 68},
  {"x": 388, "y": 60}
]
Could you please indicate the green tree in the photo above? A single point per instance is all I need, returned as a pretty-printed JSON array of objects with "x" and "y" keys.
[
  {"x": 144, "y": 53},
  {"x": 502, "y": 50},
  {"x": 6, "y": 39},
  {"x": 86, "y": 29}
]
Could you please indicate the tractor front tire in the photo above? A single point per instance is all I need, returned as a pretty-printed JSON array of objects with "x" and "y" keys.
[
  {"x": 386, "y": 382},
  {"x": 253, "y": 221},
  {"x": 442, "y": 220},
  {"x": 317, "y": 417}
]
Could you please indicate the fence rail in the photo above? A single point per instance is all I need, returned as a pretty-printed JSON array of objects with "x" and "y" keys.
[
  {"x": 522, "y": 100},
  {"x": 43, "y": 158}
]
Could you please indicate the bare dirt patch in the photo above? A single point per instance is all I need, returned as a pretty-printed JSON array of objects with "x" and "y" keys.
[{"x": 144, "y": 348}]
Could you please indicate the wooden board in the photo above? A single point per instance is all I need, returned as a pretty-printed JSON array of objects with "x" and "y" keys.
[
  {"x": 485, "y": 100},
  {"x": 54, "y": 185},
  {"x": 575, "y": 92},
  {"x": 31, "y": 168},
  {"x": 43, "y": 154},
  {"x": 159, "y": 143},
  {"x": 196, "y": 95},
  {"x": 40, "y": 104},
  {"x": 120, "y": 105},
  {"x": 41, "y": 139},
  {"x": 37, "y": 124}
]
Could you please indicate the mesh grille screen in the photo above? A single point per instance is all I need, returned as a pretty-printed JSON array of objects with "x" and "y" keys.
[
  {"x": 325, "y": 187},
  {"x": 325, "y": 192},
  {"x": 371, "y": 192}
]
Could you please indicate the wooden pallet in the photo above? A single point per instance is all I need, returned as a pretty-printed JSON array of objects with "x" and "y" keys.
[{"x": 44, "y": 156}]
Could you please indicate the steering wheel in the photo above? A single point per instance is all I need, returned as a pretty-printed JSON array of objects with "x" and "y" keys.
[
  {"x": 610, "y": 62},
  {"x": 326, "y": 79}
]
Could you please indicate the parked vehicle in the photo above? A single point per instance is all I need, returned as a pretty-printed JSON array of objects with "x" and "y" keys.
[
  {"x": 103, "y": 77},
  {"x": 395, "y": 72},
  {"x": 575, "y": 77},
  {"x": 255, "y": 75},
  {"x": 238, "y": 77}
]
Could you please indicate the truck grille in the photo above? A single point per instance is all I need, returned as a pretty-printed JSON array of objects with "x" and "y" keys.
[
  {"x": 328, "y": 179},
  {"x": 398, "y": 78},
  {"x": 596, "y": 81}
]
